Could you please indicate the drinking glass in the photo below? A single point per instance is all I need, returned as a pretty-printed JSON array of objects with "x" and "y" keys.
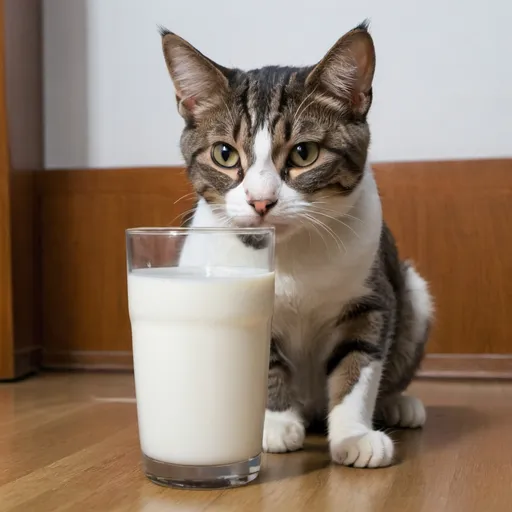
[{"x": 201, "y": 303}]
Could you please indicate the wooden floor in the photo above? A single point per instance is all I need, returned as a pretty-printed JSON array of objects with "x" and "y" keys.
[{"x": 68, "y": 442}]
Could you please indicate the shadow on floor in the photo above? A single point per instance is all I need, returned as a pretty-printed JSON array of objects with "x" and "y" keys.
[{"x": 446, "y": 425}]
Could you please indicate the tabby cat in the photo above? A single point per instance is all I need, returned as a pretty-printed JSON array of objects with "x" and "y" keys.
[{"x": 288, "y": 147}]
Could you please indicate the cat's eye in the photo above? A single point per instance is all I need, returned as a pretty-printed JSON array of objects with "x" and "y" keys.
[
  {"x": 225, "y": 155},
  {"x": 304, "y": 154}
]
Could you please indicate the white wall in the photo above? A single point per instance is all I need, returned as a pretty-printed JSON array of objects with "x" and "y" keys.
[{"x": 443, "y": 86}]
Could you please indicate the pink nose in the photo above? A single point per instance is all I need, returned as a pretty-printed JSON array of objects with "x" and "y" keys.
[{"x": 262, "y": 206}]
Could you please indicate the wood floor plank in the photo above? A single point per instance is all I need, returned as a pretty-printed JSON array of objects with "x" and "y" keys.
[{"x": 68, "y": 442}]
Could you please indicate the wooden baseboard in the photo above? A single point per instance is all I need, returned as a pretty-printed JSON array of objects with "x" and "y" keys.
[
  {"x": 27, "y": 360},
  {"x": 467, "y": 366},
  {"x": 88, "y": 360},
  {"x": 437, "y": 366}
]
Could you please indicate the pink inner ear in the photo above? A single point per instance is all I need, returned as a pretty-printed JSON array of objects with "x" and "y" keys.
[
  {"x": 189, "y": 103},
  {"x": 357, "y": 98}
]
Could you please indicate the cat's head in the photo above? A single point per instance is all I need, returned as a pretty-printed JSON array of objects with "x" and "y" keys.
[{"x": 277, "y": 145}]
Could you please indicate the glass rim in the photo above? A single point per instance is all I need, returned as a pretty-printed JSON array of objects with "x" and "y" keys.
[{"x": 177, "y": 231}]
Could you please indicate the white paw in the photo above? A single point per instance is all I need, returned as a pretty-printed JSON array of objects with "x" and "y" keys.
[
  {"x": 372, "y": 449},
  {"x": 403, "y": 411},
  {"x": 283, "y": 432}
]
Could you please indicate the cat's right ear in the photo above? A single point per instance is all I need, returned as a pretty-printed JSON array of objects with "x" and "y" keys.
[
  {"x": 346, "y": 72},
  {"x": 200, "y": 83}
]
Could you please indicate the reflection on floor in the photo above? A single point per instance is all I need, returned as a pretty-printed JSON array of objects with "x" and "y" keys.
[{"x": 69, "y": 442}]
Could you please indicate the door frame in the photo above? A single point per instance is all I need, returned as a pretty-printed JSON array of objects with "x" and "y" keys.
[{"x": 7, "y": 366}]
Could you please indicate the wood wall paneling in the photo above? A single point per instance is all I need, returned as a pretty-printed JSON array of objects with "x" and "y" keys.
[
  {"x": 84, "y": 215},
  {"x": 451, "y": 218}
]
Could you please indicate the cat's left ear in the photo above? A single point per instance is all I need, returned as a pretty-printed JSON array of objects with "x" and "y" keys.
[{"x": 346, "y": 72}]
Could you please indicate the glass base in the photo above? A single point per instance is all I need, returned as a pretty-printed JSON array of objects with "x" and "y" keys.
[{"x": 202, "y": 477}]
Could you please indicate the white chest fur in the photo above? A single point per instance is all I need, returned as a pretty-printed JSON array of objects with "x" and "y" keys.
[{"x": 315, "y": 275}]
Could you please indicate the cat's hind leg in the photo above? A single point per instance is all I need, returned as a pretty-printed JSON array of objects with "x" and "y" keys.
[
  {"x": 394, "y": 409},
  {"x": 401, "y": 411}
]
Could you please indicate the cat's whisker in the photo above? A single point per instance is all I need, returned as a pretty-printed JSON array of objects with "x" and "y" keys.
[
  {"x": 303, "y": 223},
  {"x": 190, "y": 210},
  {"x": 336, "y": 220},
  {"x": 353, "y": 217},
  {"x": 328, "y": 196},
  {"x": 333, "y": 195},
  {"x": 305, "y": 216},
  {"x": 190, "y": 194},
  {"x": 334, "y": 235},
  {"x": 220, "y": 213},
  {"x": 309, "y": 232},
  {"x": 337, "y": 212},
  {"x": 322, "y": 225},
  {"x": 226, "y": 220},
  {"x": 323, "y": 198},
  {"x": 183, "y": 214},
  {"x": 330, "y": 231}
]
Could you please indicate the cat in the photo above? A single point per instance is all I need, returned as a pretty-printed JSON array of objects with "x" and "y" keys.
[{"x": 288, "y": 147}]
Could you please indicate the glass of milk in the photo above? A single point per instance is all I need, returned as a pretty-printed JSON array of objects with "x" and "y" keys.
[{"x": 201, "y": 303}]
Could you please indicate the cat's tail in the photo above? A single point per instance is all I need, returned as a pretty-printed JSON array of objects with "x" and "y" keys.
[{"x": 419, "y": 301}]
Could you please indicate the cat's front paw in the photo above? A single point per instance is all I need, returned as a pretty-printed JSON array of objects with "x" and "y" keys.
[
  {"x": 283, "y": 431},
  {"x": 362, "y": 449}
]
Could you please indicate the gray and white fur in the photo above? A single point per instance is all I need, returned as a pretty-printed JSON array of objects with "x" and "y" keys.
[{"x": 288, "y": 147}]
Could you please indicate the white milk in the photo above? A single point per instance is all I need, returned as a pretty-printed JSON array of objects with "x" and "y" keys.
[{"x": 201, "y": 347}]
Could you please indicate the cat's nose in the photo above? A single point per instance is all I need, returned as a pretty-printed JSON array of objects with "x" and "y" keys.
[{"x": 262, "y": 206}]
